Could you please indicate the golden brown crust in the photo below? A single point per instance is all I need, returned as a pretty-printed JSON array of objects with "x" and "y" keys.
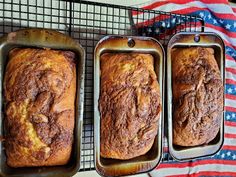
[
  {"x": 129, "y": 105},
  {"x": 197, "y": 96},
  {"x": 40, "y": 88}
]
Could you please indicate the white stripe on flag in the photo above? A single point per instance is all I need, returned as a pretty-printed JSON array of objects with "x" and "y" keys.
[
  {"x": 230, "y": 103},
  {"x": 230, "y": 141},
  {"x": 230, "y": 129},
  {"x": 165, "y": 142},
  {"x": 230, "y": 64},
  {"x": 229, "y": 75}
]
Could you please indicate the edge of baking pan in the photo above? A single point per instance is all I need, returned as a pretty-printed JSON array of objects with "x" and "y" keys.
[
  {"x": 127, "y": 44},
  {"x": 187, "y": 39},
  {"x": 45, "y": 38}
]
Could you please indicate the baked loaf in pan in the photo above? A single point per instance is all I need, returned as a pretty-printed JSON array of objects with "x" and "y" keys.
[
  {"x": 197, "y": 96},
  {"x": 129, "y": 105},
  {"x": 40, "y": 88}
]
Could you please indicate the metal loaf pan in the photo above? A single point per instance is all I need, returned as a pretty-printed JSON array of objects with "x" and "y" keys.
[
  {"x": 42, "y": 38},
  {"x": 185, "y": 40},
  {"x": 144, "y": 163}
]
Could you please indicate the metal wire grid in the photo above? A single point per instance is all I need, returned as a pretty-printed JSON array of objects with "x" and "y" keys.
[
  {"x": 88, "y": 22},
  {"x": 92, "y": 21}
]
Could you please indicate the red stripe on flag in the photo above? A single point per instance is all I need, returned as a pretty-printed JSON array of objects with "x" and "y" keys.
[
  {"x": 206, "y": 173},
  {"x": 199, "y": 162},
  {"x": 214, "y": 2},
  {"x": 230, "y": 81},
  {"x": 230, "y": 123},
  {"x": 186, "y": 175},
  {"x": 232, "y": 70},
  {"x": 234, "y": 9},
  {"x": 165, "y": 149},
  {"x": 229, "y": 57},
  {"x": 232, "y": 97},
  {"x": 215, "y": 173},
  {"x": 229, "y": 135},
  {"x": 227, "y": 147}
]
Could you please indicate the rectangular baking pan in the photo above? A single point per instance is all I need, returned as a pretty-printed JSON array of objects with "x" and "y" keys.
[
  {"x": 144, "y": 163},
  {"x": 185, "y": 40},
  {"x": 41, "y": 38}
]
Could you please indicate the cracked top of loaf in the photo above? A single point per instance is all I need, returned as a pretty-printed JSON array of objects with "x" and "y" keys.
[
  {"x": 39, "y": 89},
  {"x": 129, "y": 104},
  {"x": 197, "y": 96}
]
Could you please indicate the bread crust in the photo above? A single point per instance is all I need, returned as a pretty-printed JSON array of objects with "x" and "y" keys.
[
  {"x": 197, "y": 96},
  {"x": 39, "y": 89},
  {"x": 129, "y": 105}
]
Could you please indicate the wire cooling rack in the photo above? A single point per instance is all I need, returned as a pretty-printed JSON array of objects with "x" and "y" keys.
[{"x": 88, "y": 22}]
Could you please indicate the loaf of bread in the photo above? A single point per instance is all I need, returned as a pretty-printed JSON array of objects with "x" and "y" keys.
[
  {"x": 129, "y": 105},
  {"x": 39, "y": 89},
  {"x": 197, "y": 96}
]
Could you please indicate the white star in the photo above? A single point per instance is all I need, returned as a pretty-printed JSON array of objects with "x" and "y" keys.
[
  {"x": 228, "y": 50},
  {"x": 201, "y": 14},
  {"x": 233, "y": 55},
  {"x": 230, "y": 90},
  {"x": 168, "y": 25},
  {"x": 214, "y": 21},
  {"x": 228, "y": 117},
  {"x": 228, "y": 26},
  {"x": 173, "y": 20},
  {"x": 228, "y": 153},
  {"x": 221, "y": 21},
  {"x": 223, "y": 155},
  {"x": 235, "y": 88},
  {"x": 234, "y": 156},
  {"x": 163, "y": 24},
  {"x": 233, "y": 115},
  {"x": 234, "y": 24},
  {"x": 218, "y": 153},
  {"x": 209, "y": 16}
]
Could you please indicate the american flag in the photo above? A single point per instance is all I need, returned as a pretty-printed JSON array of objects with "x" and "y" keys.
[{"x": 220, "y": 18}]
